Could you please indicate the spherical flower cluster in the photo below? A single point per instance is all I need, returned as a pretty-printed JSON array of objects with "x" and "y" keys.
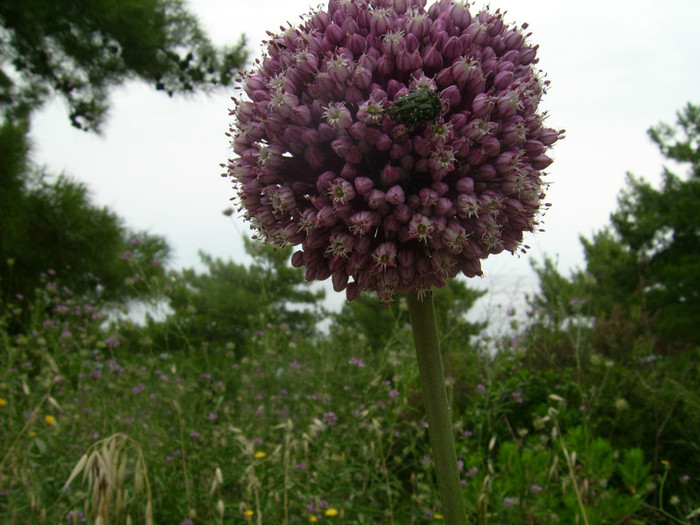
[{"x": 397, "y": 145}]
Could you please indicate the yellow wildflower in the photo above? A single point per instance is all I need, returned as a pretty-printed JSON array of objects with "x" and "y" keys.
[
  {"x": 3, "y": 402},
  {"x": 249, "y": 513},
  {"x": 259, "y": 454},
  {"x": 49, "y": 420},
  {"x": 313, "y": 519},
  {"x": 665, "y": 463},
  {"x": 437, "y": 516},
  {"x": 331, "y": 512}
]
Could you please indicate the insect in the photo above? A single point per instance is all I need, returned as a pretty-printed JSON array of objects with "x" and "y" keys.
[{"x": 416, "y": 107}]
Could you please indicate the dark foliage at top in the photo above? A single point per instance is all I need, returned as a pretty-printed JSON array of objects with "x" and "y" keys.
[{"x": 79, "y": 50}]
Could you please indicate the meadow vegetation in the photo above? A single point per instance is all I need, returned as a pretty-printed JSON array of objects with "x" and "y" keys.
[{"x": 108, "y": 420}]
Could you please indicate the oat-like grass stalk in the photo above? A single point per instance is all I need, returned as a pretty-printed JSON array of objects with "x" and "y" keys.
[{"x": 106, "y": 467}]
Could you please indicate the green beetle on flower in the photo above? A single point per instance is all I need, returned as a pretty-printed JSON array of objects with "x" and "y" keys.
[{"x": 417, "y": 107}]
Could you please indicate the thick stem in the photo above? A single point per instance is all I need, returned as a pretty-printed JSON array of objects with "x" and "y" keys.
[{"x": 435, "y": 399}]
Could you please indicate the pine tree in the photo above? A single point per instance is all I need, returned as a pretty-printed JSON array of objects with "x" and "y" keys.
[
  {"x": 81, "y": 49},
  {"x": 642, "y": 274}
]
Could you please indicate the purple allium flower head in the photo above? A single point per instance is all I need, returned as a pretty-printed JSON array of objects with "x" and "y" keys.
[{"x": 396, "y": 145}]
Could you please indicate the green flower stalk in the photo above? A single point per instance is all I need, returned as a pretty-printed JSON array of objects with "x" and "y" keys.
[
  {"x": 397, "y": 146},
  {"x": 440, "y": 430}
]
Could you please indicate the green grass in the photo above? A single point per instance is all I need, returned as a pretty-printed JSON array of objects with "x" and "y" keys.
[{"x": 303, "y": 431}]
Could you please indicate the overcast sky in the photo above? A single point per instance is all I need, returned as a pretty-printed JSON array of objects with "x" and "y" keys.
[{"x": 616, "y": 68}]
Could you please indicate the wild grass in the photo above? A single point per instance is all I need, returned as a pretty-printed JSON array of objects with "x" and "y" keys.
[{"x": 100, "y": 425}]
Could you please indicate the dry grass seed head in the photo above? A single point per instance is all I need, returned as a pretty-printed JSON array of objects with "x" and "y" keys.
[{"x": 105, "y": 470}]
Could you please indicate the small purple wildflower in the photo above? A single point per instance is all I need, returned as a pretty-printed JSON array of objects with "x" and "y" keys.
[
  {"x": 138, "y": 389},
  {"x": 393, "y": 393},
  {"x": 114, "y": 367},
  {"x": 536, "y": 489},
  {"x": 330, "y": 419},
  {"x": 76, "y": 516},
  {"x": 212, "y": 416},
  {"x": 112, "y": 342},
  {"x": 355, "y": 361}
]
